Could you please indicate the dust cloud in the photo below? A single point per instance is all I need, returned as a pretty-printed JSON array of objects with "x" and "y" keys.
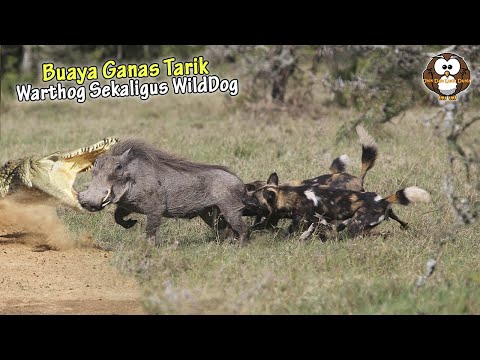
[{"x": 36, "y": 224}]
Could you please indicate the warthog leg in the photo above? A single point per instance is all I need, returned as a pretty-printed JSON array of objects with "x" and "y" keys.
[
  {"x": 120, "y": 214},
  {"x": 153, "y": 222},
  {"x": 234, "y": 219}
]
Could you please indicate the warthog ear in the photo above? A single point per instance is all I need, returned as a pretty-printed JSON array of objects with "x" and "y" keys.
[
  {"x": 125, "y": 157},
  {"x": 269, "y": 196},
  {"x": 273, "y": 179}
]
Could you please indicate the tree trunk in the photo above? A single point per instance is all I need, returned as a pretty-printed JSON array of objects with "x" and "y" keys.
[
  {"x": 284, "y": 63},
  {"x": 146, "y": 52},
  {"x": 119, "y": 52},
  {"x": 27, "y": 59}
]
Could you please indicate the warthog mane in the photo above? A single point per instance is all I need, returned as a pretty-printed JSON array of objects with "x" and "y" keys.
[{"x": 159, "y": 158}]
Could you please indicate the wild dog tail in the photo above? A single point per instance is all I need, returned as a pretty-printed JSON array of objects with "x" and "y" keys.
[
  {"x": 409, "y": 195},
  {"x": 369, "y": 150},
  {"x": 339, "y": 165}
]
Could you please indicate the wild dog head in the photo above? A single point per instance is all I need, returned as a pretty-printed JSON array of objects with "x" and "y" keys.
[
  {"x": 250, "y": 188},
  {"x": 261, "y": 199}
]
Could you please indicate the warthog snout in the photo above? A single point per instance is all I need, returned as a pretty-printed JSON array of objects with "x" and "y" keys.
[{"x": 96, "y": 201}]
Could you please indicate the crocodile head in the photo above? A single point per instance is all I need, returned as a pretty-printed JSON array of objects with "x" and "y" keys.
[{"x": 52, "y": 175}]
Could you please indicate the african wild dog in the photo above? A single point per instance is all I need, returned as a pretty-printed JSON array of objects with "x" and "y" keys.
[
  {"x": 338, "y": 178},
  {"x": 358, "y": 211}
]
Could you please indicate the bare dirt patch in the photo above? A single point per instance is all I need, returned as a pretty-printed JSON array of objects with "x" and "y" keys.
[{"x": 74, "y": 278}]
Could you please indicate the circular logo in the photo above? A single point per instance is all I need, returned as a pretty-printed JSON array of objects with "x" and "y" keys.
[{"x": 447, "y": 75}]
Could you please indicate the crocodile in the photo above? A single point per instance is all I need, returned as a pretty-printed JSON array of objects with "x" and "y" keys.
[{"x": 37, "y": 178}]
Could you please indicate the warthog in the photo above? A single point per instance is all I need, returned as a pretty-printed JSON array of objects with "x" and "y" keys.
[{"x": 139, "y": 178}]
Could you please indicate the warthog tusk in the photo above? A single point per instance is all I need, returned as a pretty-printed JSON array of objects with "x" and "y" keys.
[{"x": 104, "y": 200}]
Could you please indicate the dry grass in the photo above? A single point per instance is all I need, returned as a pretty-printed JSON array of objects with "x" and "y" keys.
[{"x": 193, "y": 272}]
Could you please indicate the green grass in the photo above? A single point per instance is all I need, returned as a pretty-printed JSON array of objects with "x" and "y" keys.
[{"x": 194, "y": 272}]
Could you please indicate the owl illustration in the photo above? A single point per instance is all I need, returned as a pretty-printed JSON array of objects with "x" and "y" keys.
[{"x": 447, "y": 74}]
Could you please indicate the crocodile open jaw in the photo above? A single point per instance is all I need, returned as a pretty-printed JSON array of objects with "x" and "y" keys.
[{"x": 53, "y": 174}]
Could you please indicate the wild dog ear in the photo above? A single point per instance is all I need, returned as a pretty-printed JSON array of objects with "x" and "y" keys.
[
  {"x": 273, "y": 179},
  {"x": 270, "y": 196},
  {"x": 125, "y": 157}
]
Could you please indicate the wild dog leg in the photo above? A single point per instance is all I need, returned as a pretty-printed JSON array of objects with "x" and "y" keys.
[
  {"x": 391, "y": 214},
  {"x": 295, "y": 225},
  {"x": 364, "y": 221},
  {"x": 259, "y": 222},
  {"x": 120, "y": 214},
  {"x": 321, "y": 221},
  {"x": 309, "y": 232},
  {"x": 272, "y": 222},
  {"x": 265, "y": 223}
]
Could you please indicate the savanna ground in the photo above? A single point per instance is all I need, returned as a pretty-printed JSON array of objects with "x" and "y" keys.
[{"x": 194, "y": 272}]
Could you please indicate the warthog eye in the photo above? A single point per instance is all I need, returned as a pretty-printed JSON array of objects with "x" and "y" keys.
[{"x": 118, "y": 167}]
